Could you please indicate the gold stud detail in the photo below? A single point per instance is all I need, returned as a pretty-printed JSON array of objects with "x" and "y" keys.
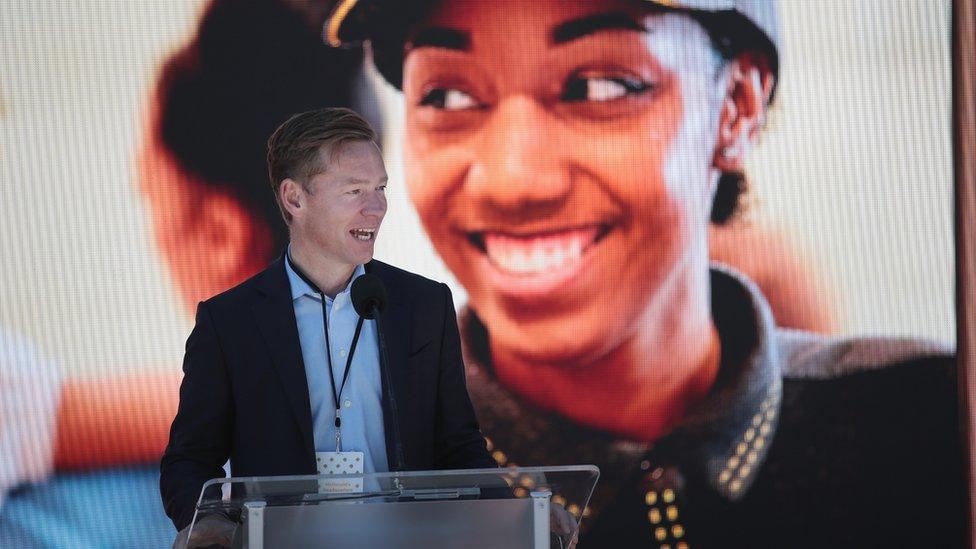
[
  {"x": 757, "y": 420},
  {"x": 559, "y": 500},
  {"x": 521, "y": 492},
  {"x": 733, "y": 462},
  {"x": 744, "y": 472},
  {"x": 660, "y": 533},
  {"x": 654, "y": 515},
  {"x": 683, "y": 545},
  {"x": 672, "y": 513},
  {"x": 666, "y": 546},
  {"x": 677, "y": 530},
  {"x": 736, "y": 485},
  {"x": 667, "y": 495},
  {"x": 527, "y": 482},
  {"x": 724, "y": 476},
  {"x": 499, "y": 456},
  {"x": 650, "y": 498},
  {"x": 765, "y": 429},
  {"x": 759, "y": 443},
  {"x": 750, "y": 434},
  {"x": 752, "y": 458},
  {"x": 573, "y": 509},
  {"x": 586, "y": 511},
  {"x": 741, "y": 448}
]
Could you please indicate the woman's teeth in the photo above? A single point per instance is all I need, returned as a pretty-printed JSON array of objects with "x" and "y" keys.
[{"x": 534, "y": 254}]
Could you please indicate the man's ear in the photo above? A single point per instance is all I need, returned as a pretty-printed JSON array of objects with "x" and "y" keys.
[
  {"x": 750, "y": 83},
  {"x": 291, "y": 196}
]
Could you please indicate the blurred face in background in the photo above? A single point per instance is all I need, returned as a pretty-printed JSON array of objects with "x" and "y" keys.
[{"x": 560, "y": 155}]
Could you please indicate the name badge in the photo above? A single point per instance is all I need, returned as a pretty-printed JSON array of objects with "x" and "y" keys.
[{"x": 340, "y": 463}]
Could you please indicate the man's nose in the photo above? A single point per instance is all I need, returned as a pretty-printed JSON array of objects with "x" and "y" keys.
[
  {"x": 520, "y": 159},
  {"x": 375, "y": 203}
]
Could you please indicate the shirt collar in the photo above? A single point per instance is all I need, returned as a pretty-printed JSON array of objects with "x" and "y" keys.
[
  {"x": 723, "y": 441},
  {"x": 301, "y": 288}
]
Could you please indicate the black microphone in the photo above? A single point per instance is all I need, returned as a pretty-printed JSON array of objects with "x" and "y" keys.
[{"x": 368, "y": 295}]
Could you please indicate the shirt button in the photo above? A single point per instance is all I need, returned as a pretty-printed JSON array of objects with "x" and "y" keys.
[
  {"x": 342, "y": 352},
  {"x": 347, "y": 403}
]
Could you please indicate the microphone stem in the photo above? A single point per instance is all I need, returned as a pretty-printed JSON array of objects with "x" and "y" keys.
[{"x": 400, "y": 463}]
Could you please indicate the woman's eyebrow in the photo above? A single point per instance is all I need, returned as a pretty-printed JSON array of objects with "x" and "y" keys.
[
  {"x": 440, "y": 37},
  {"x": 583, "y": 26}
]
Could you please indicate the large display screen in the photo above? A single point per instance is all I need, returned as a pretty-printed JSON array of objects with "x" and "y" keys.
[{"x": 617, "y": 193}]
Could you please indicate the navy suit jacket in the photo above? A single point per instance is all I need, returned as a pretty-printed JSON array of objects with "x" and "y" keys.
[{"x": 244, "y": 394}]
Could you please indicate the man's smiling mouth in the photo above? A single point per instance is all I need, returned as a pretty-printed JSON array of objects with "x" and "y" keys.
[
  {"x": 537, "y": 253},
  {"x": 363, "y": 234}
]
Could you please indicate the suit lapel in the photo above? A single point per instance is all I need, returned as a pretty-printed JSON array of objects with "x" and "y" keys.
[
  {"x": 395, "y": 324},
  {"x": 275, "y": 317}
]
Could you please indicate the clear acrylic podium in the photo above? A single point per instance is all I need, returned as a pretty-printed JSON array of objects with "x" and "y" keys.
[{"x": 530, "y": 507}]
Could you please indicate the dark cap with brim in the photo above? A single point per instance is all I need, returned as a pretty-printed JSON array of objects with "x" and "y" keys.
[{"x": 735, "y": 25}]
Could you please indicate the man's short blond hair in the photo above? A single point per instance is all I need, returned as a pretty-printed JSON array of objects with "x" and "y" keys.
[{"x": 303, "y": 146}]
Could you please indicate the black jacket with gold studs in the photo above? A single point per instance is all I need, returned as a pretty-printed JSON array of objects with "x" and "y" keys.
[{"x": 805, "y": 441}]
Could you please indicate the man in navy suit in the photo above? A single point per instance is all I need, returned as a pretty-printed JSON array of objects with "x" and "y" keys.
[{"x": 280, "y": 370}]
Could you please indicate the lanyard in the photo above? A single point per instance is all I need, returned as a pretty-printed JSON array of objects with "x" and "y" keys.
[{"x": 336, "y": 394}]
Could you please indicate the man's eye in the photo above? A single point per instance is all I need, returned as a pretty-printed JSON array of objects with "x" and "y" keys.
[
  {"x": 602, "y": 88},
  {"x": 448, "y": 99}
]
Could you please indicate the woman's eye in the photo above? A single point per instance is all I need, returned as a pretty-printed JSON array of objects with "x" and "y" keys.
[
  {"x": 448, "y": 99},
  {"x": 602, "y": 88}
]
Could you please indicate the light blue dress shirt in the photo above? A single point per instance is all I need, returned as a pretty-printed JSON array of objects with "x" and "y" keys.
[{"x": 361, "y": 399}]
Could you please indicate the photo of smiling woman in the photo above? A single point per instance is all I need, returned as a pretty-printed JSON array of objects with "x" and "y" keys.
[
  {"x": 566, "y": 160},
  {"x": 706, "y": 245}
]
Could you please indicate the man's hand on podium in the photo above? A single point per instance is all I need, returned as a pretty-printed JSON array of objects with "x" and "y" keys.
[
  {"x": 562, "y": 523},
  {"x": 214, "y": 530}
]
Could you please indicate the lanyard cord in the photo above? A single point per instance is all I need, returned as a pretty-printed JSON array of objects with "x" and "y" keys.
[
  {"x": 328, "y": 345},
  {"x": 328, "y": 354}
]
